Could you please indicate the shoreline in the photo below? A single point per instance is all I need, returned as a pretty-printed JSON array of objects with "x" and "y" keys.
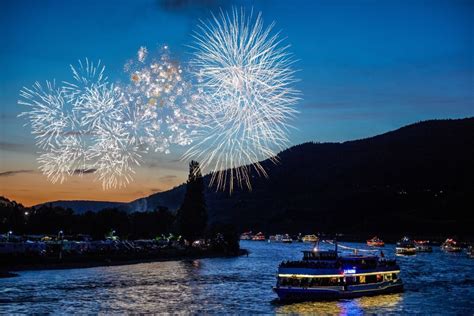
[{"x": 7, "y": 271}]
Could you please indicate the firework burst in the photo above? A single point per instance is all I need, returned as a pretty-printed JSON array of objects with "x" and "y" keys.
[
  {"x": 90, "y": 124},
  {"x": 80, "y": 126},
  {"x": 156, "y": 94},
  {"x": 240, "y": 115}
]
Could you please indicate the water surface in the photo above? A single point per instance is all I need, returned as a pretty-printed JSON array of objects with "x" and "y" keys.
[{"x": 434, "y": 283}]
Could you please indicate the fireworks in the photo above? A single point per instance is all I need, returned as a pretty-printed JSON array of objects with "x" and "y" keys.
[
  {"x": 234, "y": 116},
  {"x": 156, "y": 94},
  {"x": 245, "y": 97},
  {"x": 91, "y": 124}
]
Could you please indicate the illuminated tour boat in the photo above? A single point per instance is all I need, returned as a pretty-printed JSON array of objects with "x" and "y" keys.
[
  {"x": 450, "y": 245},
  {"x": 375, "y": 242},
  {"x": 324, "y": 275},
  {"x": 310, "y": 238},
  {"x": 405, "y": 247}
]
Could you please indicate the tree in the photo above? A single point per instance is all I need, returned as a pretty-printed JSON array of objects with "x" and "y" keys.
[{"x": 192, "y": 215}]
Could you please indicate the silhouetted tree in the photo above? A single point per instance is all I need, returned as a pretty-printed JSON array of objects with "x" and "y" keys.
[{"x": 192, "y": 215}]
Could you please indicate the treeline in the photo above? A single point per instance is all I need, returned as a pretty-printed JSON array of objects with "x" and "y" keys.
[{"x": 49, "y": 220}]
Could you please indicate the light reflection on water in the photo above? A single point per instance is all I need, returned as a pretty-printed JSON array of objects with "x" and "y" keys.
[
  {"x": 361, "y": 305},
  {"x": 434, "y": 283}
]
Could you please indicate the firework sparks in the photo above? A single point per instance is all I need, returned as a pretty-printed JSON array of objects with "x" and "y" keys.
[
  {"x": 80, "y": 126},
  {"x": 240, "y": 116},
  {"x": 91, "y": 124},
  {"x": 156, "y": 94}
]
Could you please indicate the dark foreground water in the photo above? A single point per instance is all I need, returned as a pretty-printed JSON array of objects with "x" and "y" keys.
[{"x": 436, "y": 283}]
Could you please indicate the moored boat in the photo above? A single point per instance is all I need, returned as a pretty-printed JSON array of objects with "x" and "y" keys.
[
  {"x": 324, "y": 275},
  {"x": 287, "y": 239},
  {"x": 259, "y": 237},
  {"x": 451, "y": 245},
  {"x": 405, "y": 247},
  {"x": 246, "y": 236},
  {"x": 423, "y": 246},
  {"x": 310, "y": 238},
  {"x": 375, "y": 242}
]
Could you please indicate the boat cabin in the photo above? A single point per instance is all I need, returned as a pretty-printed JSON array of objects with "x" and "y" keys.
[{"x": 320, "y": 255}]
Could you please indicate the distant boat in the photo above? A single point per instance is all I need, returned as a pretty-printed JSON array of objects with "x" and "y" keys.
[
  {"x": 310, "y": 238},
  {"x": 259, "y": 237},
  {"x": 451, "y": 245},
  {"x": 470, "y": 252},
  {"x": 246, "y": 236},
  {"x": 324, "y": 275},
  {"x": 423, "y": 246},
  {"x": 405, "y": 247},
  {"x": 375, "y": 242},
  {"x": 275, "y": 238},
  {"x": 287, "y": 239}
]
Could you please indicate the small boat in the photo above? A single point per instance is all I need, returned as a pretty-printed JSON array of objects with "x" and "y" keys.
[
  {"x": 310, "y": 238},
  {"x": 423, "y": 246},
  {"x": 470, "y": 252},
  {"x": 259, "y": 237},
  {"x": 405, "y": 247},
  {"x": 286, "y": 239},
  {"x": 246, "y": 236},
  {"x": 275, "y": 238},
  {"x": 375, "y": 242},
  {"x": 451, "y": 245},
  {"x": 324, "y": 275}
]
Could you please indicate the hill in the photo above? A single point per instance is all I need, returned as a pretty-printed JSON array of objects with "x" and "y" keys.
[{"x": 418, "y": 178}]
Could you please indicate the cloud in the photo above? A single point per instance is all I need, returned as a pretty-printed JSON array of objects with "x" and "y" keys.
[
  {"x": 14, "y": 172},
  {"x": 16, "y": 147},
  {"x": 84, "y": 171},
  {"x": 167, "y": 178}
]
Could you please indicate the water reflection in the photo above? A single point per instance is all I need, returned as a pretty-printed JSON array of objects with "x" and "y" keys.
[{"x": 363, "y": 305}]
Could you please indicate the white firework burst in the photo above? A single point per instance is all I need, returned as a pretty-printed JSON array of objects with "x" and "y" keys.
[
  {"x": 155, "y": 96},
  {"x": 75, "y": 124},
  {"x": 245, "y": 79}
]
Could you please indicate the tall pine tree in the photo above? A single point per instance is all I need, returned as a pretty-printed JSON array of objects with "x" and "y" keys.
[{"x": 192, "y": 215}]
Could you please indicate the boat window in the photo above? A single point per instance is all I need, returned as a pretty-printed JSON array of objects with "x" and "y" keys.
[
  {"x": 304, "y": 282},
  {"x": 394, "y": 276},
  {"x": 379, "y": 278},
  {"x": 370, "y": 279},
  {"x": 387, "y": 277},
  {"x": 362, "y": 279}
]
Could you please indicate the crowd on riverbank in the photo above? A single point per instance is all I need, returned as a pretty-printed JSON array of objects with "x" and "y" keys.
[{"x": 46, "y": 252}]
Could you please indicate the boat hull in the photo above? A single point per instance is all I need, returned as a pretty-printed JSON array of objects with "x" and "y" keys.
[{"x": 295, "y": 294}]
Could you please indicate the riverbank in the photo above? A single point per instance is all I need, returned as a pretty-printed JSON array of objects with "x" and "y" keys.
[{"x": 75, "y": 262}]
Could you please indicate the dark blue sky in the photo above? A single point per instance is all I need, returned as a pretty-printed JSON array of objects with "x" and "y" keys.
[{"x": 366, "y": 67}]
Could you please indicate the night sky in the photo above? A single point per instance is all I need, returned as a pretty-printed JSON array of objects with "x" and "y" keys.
[{"x": 366, "y": 67}]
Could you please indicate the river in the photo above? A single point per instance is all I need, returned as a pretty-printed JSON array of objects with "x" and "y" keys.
[{"x": 435, "y": 283}]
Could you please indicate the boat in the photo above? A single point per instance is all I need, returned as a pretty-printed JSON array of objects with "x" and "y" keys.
[
  {"x": 259, "y": 237},
  {"x": 375, "y": 242},
  {"x": 287, "y": 239},
  {"x": 246, "y": 236},
  {"x": 405, "y": 247},
  {"x": 324, "y": 275},
  {"x": 275, "y": 238},
  {"x": 310, "y": 238},
  {"x": 470, "y": 252},
  {"x": 451, "y": 245},
  {"x": 423, "y": 246}
]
